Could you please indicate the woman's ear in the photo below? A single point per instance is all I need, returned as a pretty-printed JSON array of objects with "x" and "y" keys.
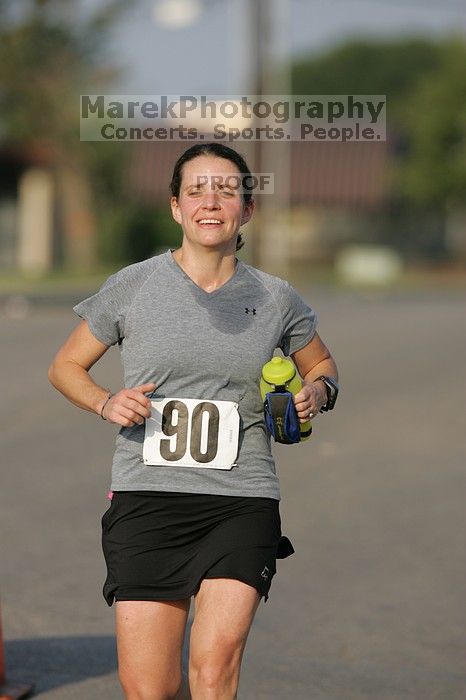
[
  {"x": 248, "y": 211},
  {"x": 175, "y": 210}
]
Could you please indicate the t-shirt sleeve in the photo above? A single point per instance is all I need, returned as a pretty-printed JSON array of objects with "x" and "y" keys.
[
  {"x": 299, "y": 320},
  {"x": 105, "y": 311}
]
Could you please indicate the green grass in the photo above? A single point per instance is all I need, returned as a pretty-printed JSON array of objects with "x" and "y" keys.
[
  {"x": 414, "y": 278},
  {"x": 446, "y": 278},
  {"x": 54, "y": 282}
]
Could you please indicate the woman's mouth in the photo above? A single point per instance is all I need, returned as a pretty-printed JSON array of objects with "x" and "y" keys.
[{"x": 209, "y": 223}]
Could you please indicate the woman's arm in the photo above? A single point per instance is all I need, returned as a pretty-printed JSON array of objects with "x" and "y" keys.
[
  {"x": 69, "y": 373},
  {"x": 313, "y": 361}
]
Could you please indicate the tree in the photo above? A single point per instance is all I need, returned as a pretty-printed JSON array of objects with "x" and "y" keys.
[
  {"x": 369, "y": 67},
  {"x": 434, "y": 168},
  {"x": 50, "y": 53},
  {"x": 425, "y": 85}
]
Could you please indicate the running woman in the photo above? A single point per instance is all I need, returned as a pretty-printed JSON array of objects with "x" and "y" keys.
[{"x": 195, "y": 507}]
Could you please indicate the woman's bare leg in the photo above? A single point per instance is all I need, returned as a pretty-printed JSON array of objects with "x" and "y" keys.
[
  {"x": 150, "y": 640},
  {"x": 224, "y": 611}
]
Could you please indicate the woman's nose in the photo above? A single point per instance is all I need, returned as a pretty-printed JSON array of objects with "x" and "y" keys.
[{"x": 210, "y": 200}]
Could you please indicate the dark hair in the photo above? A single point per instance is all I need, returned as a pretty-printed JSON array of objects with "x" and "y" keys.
[{"x": 210, "y": 149}]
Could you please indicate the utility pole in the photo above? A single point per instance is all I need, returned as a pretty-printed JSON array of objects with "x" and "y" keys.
[
  {"x": 270, "y": 76},
  {"x": 270, "y": 243}
]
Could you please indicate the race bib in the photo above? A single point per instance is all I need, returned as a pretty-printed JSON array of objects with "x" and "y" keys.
[{"x": 191, "y": 433}]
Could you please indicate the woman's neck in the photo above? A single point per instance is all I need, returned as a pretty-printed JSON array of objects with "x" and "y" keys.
[{"x": 209, "y": 269}]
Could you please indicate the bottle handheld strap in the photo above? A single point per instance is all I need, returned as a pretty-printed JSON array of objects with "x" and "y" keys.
[{"x": 281, "y": 418}]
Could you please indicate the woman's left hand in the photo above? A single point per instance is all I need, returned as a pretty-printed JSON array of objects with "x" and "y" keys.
[{"x": 310, "y": 400}]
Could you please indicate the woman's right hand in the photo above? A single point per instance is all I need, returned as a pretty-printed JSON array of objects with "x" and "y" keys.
[{"x": 129, "y": 407}]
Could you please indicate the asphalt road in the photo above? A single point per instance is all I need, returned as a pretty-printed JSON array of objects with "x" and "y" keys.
[{"x": 372, "y": 604}]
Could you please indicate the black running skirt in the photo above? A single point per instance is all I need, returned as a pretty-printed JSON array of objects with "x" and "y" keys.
[{"x": 160, "y": 545}]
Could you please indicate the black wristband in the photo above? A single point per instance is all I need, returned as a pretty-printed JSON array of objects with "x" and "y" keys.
[{"x": 104, "y": 404}]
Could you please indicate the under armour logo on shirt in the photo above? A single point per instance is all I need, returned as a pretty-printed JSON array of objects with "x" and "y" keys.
[{"x": 250, "y": 311}]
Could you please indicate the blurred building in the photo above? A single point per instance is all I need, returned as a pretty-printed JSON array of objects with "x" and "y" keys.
[
  {"x": 339, "y": 194},
  {"x": 46, "y": 218}
]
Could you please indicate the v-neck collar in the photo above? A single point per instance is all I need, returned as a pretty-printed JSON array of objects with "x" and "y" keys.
[{"x": 177, "y": 268}]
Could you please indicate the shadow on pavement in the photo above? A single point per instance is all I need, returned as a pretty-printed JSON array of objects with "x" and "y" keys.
[{"x": 51, "y": 662}]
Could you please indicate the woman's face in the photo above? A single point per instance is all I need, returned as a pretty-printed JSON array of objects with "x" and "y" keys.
[{"x": 210, "y": 206}]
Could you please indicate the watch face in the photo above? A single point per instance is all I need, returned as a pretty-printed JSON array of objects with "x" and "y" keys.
[
  {"x": 331, "y": 383},
  {"x": 332, "y": 393}
]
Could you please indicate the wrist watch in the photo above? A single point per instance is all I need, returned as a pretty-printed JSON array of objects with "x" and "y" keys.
[{"x": 332, "y": 389}]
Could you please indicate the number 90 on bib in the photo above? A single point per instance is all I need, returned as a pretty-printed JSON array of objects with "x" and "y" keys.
[{"x": 191, "y": 433}]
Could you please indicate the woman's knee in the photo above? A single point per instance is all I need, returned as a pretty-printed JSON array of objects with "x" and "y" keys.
[
  {"x": 149, "y": 640},
  {"x": 142, "y": 689},
  {"x": 216, "y": 669}
]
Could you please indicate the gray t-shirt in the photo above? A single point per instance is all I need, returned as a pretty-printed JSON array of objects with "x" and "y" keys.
[{"x": 200, "y": 345}]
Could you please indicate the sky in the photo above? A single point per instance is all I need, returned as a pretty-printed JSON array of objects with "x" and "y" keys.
[{"x": 212, "y": 56}]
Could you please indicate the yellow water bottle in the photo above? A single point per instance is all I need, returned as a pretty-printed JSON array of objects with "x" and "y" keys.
[{"x": 279, "y": 374}]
